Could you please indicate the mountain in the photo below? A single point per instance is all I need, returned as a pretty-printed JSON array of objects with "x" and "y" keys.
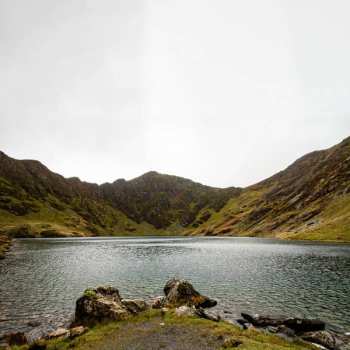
[
  {"x": 308, "y": 200},
  {"x": 35, "y": 201}
]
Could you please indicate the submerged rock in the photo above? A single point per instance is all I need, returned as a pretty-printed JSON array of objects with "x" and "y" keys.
[
  {"x": 181, "y": 292},
  {"x": 105, "y": 304}
]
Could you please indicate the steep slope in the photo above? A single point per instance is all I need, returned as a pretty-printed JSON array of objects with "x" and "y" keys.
[
  {"x": 163, "y": 200},
  {"x": 50, "y": 205},
  {"x": 308, "y": 200}
]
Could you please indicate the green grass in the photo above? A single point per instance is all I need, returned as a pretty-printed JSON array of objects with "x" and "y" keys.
[
  {"x": 334, "y": 223},
  {"x": 146, "y": 326},
  {"x": 331, "y": 224}
]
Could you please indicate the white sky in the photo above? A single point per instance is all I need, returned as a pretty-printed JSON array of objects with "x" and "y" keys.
[{"x": 225, "y": 92}]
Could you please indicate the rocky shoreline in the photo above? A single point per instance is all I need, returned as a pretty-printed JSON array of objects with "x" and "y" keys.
[{"x": 105, "y": 304}]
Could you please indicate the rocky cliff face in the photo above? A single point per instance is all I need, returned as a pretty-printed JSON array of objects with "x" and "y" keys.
[
  {"x": 309, "y": 199},
  {"x": 31, "y": 194}
]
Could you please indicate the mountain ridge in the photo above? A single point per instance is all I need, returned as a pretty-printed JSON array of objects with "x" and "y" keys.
[
  {"x": 50, "y": 204},
  {"x": 310, "y": 199}
]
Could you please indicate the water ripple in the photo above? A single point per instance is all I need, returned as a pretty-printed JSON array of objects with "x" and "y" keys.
[{"x": 41, "y": 279}]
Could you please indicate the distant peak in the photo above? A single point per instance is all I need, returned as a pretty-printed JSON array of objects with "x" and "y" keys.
[
  {"x": 151, "y": 173},
  {"x": 74, "y": 178}
]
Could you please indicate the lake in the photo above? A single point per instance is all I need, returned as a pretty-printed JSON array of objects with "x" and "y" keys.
[{"x": 40, "y": 279}]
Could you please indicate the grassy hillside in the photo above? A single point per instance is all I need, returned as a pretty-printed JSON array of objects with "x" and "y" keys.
[
  {"x": 37, "y": 202},
  {"x": 308, "y": 200}
]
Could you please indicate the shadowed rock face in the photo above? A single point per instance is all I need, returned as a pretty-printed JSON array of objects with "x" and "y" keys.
[{"x": 181, "y": 292}]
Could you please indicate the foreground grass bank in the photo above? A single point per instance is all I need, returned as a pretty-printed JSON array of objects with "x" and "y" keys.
[{"x": 155, "y": 330}]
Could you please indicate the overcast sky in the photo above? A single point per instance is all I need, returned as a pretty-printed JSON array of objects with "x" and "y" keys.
[{"x": 225, "y": 92}]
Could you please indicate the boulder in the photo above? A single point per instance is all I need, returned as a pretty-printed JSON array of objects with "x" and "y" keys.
[
  {"x": 59, "y": 332},
  {"x": 325, "y": 338},
  {"x": 77, "y": 331},
  {"x": 181, "y": 292},
  {"x": 284, "y": 330},
  {"x": 298, "y": 325},
  {"x": 263, "y": 321},
  {"x": 303, "y": 325},
  {"x": 135, "y": 306},
  {"x": 157, "y": 302},
  {"x": 104, "y": 304},
  {"x": 244, "y": 324},
  {"x": 186, "y": 310}
]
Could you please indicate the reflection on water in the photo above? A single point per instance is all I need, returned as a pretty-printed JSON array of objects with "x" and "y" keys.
[{"x": 41, "y": 278}]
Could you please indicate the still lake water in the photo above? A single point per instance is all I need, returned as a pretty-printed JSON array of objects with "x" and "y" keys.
[{"x": 40, "y": 279}]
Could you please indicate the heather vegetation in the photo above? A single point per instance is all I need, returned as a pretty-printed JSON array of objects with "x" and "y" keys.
[{"x": 308, "y": 200}]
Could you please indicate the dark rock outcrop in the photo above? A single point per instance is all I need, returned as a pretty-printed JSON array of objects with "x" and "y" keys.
[
  {"x": 180, "y": 292},
  {"x": 327, "y": 339},
  {"x": 298, "y": 325},
  {"x": 104, "y": 304},
  {"x": 308, "y": 330}
]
